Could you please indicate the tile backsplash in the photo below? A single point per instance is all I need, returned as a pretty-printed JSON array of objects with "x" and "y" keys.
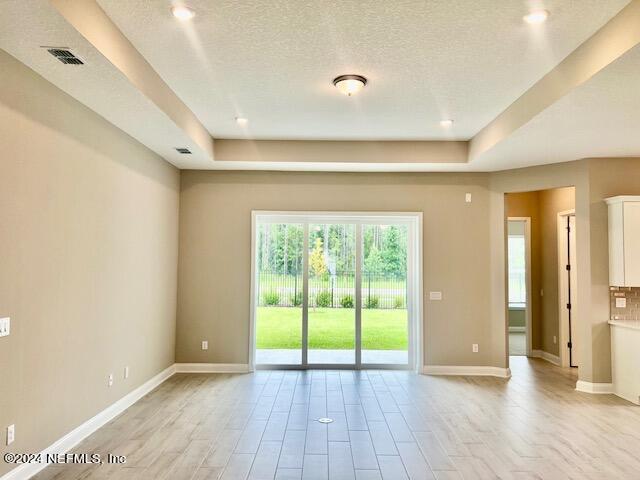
[{"x": 632, "y": 297}]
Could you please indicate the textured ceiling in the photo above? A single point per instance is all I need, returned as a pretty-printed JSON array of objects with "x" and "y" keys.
[
  {"x": 273, "y": 61},
  {"x": 597, "y": 119},
  {"x": 25, "y": 26}
]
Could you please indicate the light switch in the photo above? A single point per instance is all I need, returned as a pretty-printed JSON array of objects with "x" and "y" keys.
[
  {"x": 467, "y": 197},
  {"x": 435, "y": 295},
  {"x": 5, "y": 326},
  {"x": 205, "y": 345},
  {"x": 621, "y": 302}
]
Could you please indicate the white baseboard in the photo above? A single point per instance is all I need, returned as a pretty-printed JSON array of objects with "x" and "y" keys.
[
  {"x": 589, "y": 387},
  {"x": 549, "y": 357},
  {"x": 635, "y": 399},
  {"x": 212, "y": 368},
  {"x": 71, "y": 439},
  {"x": 517, "y": 329},
  {"x": 466, "y": 370}
]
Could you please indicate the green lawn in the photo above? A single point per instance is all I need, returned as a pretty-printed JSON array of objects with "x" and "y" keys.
[{"x": 331, "y": 328}]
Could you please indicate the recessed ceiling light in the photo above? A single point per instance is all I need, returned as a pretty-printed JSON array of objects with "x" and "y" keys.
[
  {"x": 242, "y": 120},
  {"x": 181, "y": 12},
  {"x": 349, "y": 84},
  {"x": 536, "y": 17},
  {"x": 446, "y": 122}
]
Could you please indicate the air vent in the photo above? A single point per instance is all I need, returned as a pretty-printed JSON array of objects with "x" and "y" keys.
[
  {"x": 184, "y": 151},
  {"x": 65, "y": 56}
]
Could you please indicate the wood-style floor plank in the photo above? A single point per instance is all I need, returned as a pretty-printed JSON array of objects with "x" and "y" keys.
[{"x": 386, "y": 425}]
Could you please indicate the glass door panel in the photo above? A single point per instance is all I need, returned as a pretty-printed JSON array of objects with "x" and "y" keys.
[
  {"x": 331, "y": 313},
  {"x": 385, "y": 320},
  {"x": 279, "y": 258}
]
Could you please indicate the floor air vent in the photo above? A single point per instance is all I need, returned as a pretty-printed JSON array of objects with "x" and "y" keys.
[
  {"x": 184, "y": 151},
  {"x": 65, "y": 56}
]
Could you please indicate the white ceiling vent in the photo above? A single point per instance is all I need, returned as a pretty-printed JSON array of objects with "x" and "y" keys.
[
  {"x": 65, "y": 56},
  {"x": 184, "y": 151}
]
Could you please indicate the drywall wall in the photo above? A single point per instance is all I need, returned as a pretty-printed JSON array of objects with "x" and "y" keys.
[
  {"x": 525, "y": 204},
  {"x": 544, "y": 178},
  {"x": 607, "y": 178},
  {"x": 89, "y": 221},
  {"x": 551, "y": 202},
  {"x": 215, "y": 252}
]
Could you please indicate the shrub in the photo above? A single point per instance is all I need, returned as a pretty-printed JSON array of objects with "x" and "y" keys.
[
  {"x": 323, "y": 299},
  {"x": 346, "y": 301},
  {"x": 271, "y": 298},
  {"x": 372, "y": 302},
  {"x": 296, "y": 299},
  {"x": 398, "y": 302}
]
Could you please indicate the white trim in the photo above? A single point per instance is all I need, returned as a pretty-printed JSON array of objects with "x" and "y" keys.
[
  {"x": 81, "y": 432},
  {"x": 629, "y": 398},
  {"x": 253, "y": 306},
  {"x": 589, "y": 387},
  {"x": 549, "y": 357},
  {"x": 563, "y": 317},
  {"x": 414, "y": 271},
  {"x": 418, "y": 293},
  {"x": 212, "y": 368},
  {"x": 622, "y": 199},
  {"x": 470, "y": 370},
  {"x": 517, "y": 330}
]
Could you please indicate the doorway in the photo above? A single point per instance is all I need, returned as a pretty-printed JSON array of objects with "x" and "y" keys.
[
  {"x": 567, "y": 285},
  {"x": 336, "y": 290},
  {"x": 519, "y": 285}
]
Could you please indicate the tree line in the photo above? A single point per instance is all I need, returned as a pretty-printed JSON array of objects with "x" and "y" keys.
[{"x": 332, "y": 249}]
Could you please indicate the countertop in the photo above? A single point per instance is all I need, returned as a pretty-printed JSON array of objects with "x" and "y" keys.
[{"x": 632, "y": 324}]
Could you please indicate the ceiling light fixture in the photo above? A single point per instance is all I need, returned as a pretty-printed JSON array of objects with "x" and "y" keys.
[
  {"x": 349, "y": 84},
  {"x": 182, "y": 12},
  {"x": 242, "y": 120},
  {"x": 446, "y": 122},
  {"x": 536, "y": 17}
]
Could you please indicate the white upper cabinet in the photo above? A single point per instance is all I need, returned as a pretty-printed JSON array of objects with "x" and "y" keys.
[{"x": 624, "y": 241}]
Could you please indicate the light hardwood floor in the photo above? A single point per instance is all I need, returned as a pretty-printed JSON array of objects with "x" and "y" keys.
[{"x": 387, "y": 425}]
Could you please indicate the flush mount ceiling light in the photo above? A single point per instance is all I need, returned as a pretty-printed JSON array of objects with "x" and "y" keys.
[
  {"x": 182, "y": 12},
  {"x": 242, "y": 120},
  {"x": 446, "y": 122},
  {"x": 349, "y": 84},
  {"x": 536, "y": 17}
]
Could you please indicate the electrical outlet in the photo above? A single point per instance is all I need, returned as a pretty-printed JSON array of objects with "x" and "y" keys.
[
  {"x": 110, "y": 380},
  {"x": 205, "y": 345},
  {"x": 126, "y": 372},
  {"x": 467, "y": 197},
  {"x": 11, "y": 434},
  {"x": 5, "y": 326},
  {"x": 474, "y": 348},
  {"x": 621, "y": 302}
]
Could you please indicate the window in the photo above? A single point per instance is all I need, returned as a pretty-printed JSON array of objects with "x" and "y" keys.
[{"x": 517, "y": 267}]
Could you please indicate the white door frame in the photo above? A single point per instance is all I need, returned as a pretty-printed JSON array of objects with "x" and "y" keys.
[
  {"x": 527, "y": 253},
  {"x": 414, "y": 273},
  {"x": 563, "y": 315}
]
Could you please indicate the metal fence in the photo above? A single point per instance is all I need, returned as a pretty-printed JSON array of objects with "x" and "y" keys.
[{"x": 332, "y": 290}]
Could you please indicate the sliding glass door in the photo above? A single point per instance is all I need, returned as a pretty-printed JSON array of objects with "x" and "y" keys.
[
  {"x": 279, "y": 266},
  {"x": 332, "y": 321},
  {"x": 333, "y": 290}
]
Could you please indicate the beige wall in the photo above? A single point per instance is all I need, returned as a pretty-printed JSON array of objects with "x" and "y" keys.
[
  {"x": 215, "y": 251},
  {"x": 88, "y": 221},
  {"x": 543, "y": 207},
  {"x": 551, "y": 203},
  {"x": 607, "y": 178},
  {"x": 525, "y": 204}
]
